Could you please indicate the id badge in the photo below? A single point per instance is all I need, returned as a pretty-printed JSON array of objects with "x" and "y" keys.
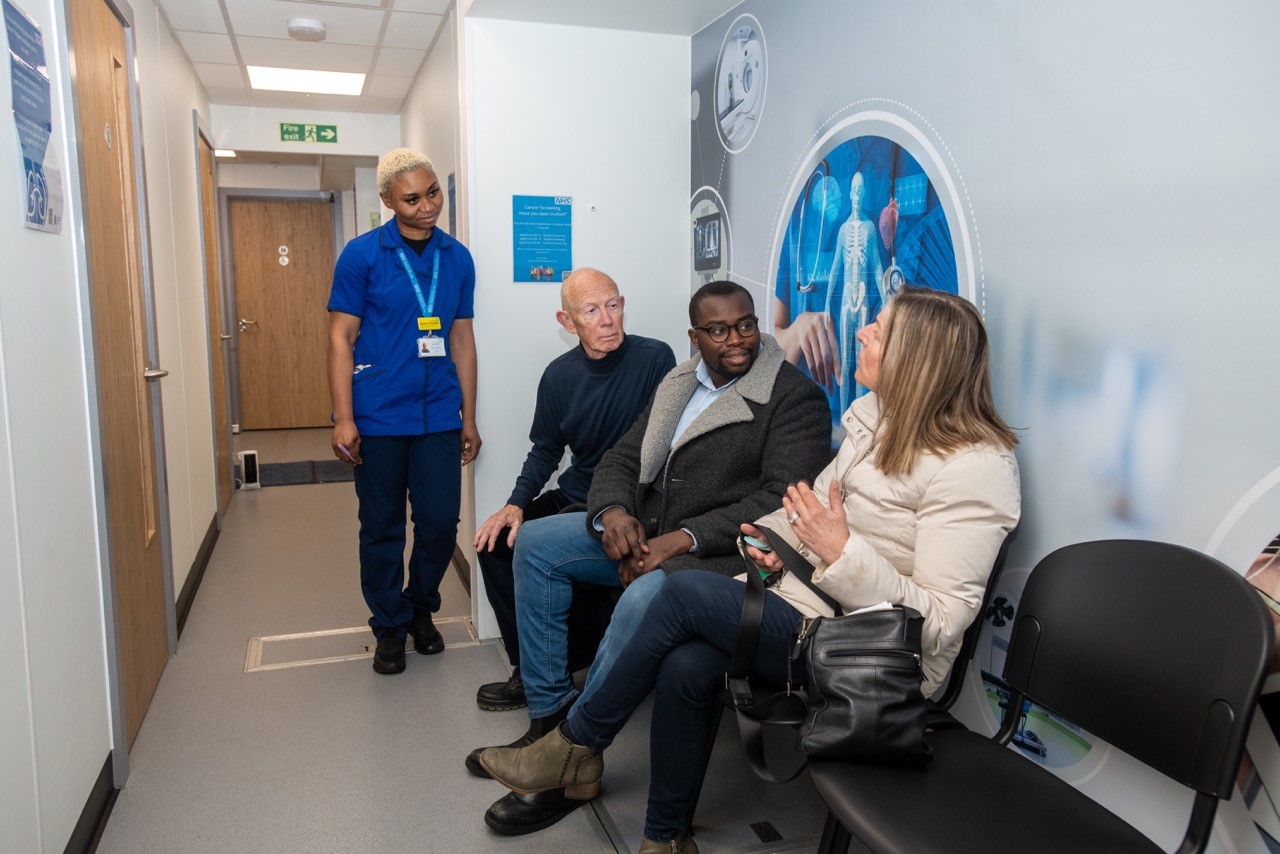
[{"x": 429, "y": 347}]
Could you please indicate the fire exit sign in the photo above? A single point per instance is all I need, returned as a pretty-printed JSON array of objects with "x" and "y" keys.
[{"x": 308, "y": 133}]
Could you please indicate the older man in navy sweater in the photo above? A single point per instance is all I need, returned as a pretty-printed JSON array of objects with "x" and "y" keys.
[{"x": 587, "y": 399}]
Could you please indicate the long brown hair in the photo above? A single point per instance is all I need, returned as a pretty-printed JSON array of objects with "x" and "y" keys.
[{"x": 935, "y": 381}]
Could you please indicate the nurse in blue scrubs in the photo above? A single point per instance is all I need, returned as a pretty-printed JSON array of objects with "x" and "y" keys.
[{"x": 402, "y": 375}]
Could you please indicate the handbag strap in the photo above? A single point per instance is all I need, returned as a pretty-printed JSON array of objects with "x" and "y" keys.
[{"x": 784, "y": 708}]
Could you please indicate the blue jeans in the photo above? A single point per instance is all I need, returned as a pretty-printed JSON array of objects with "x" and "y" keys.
[
  {"x": 691, "y": 628},
  {"x": 550, "y": 555},
  {"x": 428, "y": 469}
]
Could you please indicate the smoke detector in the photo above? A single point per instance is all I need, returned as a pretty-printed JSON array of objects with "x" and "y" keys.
[{"x": 306, "y": 29}]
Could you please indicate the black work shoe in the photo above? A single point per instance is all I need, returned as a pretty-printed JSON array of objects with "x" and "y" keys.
[
  {"x": 389, "y": 657},
  {"x": 538, "y": 727},
  {"x": 426, "y": 637},
  {"x": 502, "y": 696},
  {"x": 515, "y": 814}
]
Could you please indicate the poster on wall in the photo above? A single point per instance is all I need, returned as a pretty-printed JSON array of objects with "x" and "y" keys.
[
  {"x": 541, "y": 238},
  {"x": 33, "y": 117},
  {"x": 866, "y": 222}
]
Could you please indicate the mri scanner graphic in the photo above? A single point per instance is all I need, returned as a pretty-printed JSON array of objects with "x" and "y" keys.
[{"x": 740, "y": 83}]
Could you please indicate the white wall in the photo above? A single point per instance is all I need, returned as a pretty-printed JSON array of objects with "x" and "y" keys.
[
  {"x": 258, "y": 129},
  {"x": 54, "y": 731},
  {"x": 429, "y": 121},
  {"x": 367, "y": 201},
  {"x": 546, "y": 115},
  {"x": 170, "y": 92},
  {"x": 274, "y": 176}
]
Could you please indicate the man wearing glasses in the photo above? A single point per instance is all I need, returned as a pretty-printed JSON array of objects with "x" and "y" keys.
[{"x": 726, "y": 433}]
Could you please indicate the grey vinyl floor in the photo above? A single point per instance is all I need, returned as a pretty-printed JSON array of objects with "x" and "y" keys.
[{"x": 333, "y": 757}]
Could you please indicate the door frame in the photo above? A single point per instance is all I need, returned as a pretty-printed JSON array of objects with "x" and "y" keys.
[
  {"x": 98, "y": 444},
  {"x": 225, "y": 195},
  {"x": 201, "y": 130}
]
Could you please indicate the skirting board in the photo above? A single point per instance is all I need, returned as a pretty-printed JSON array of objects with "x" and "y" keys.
[
  {"x": 97, "y": 809},
  {"x": 194, "y": 577}
]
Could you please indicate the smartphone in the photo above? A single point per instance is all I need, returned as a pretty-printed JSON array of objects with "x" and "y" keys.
[{"x": 762, "y": 545}]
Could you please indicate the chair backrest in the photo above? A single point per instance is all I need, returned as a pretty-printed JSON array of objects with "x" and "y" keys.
[
  {"x": 1155, "y": 648},
  {"x": 946, "y": 698}
]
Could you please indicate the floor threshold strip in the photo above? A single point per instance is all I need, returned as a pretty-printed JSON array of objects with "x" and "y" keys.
[{"x": 306, "y": 649}]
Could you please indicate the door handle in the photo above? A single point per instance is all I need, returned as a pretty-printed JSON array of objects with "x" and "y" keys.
[
  {"x": 153, "y": 374},
  {"x": 225, "y": 337},
  {"x": 245, "y": 324}
]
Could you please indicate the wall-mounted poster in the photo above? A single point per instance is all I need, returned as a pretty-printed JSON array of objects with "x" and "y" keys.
[
  {"x": 866, "y": 221},
  {"x": 541, "y": 238},
  {"x": 33, "y": 116}
]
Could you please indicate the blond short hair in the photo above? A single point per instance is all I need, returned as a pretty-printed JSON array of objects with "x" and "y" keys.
[
  {"x": 935, "y": 381},
  {"x": 397, "y": 162}
]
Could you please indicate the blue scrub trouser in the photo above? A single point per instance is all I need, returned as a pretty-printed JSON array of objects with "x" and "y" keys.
[{"x": 428, "y": 468}]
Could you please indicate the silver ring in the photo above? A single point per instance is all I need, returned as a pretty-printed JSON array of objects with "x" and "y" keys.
[{"x": 793, "y": 517}]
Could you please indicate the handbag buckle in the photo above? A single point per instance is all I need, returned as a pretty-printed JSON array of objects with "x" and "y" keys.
[{"x": 739, "y": 690}]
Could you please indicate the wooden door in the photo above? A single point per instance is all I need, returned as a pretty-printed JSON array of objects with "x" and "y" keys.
[
  {"x": 120, "y": 352},
  {"x": 217, "y": 336},
  {"x": 282, "y": 264}
]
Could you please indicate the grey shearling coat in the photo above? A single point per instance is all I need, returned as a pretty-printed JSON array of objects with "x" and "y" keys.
[{"x": 732, "y": 465}]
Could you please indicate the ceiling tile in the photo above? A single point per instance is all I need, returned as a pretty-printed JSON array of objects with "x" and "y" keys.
[
  {"x": 438, "y": 7},
  {"x": 208, "y": 47},
  {"x": 285, "y": 53},
  {"x": 390, "y": 106},
  {"x": 382, "y": 86},
  {"x": 305, "y": 104},
  {"x": 270, "y": 19},
  {"x": 219, "y": 76},
  {"x": 398, "y": 62},
  {"x": 203, "y": 17},
  {"x": 237, "y": 97},
  {"x": 411, "y": 30}
]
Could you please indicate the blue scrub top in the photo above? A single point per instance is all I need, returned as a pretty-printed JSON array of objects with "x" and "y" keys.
[{"x": 395, "y": 393}]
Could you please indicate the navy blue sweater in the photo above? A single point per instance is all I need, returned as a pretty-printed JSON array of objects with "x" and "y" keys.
[{"x": 586, "y": 405}]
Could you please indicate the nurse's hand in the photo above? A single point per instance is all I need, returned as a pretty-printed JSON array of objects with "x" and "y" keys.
[
  {"x": 470, "y": 442},
  {"x": 345, "y": 435}
]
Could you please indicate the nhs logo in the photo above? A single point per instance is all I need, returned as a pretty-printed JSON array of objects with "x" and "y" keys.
[{"x": 564, "y": 200}]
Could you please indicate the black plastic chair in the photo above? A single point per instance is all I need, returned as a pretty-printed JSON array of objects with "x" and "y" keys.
[
  {"x": 1155, "y": 648},
  {"x": 939, "y": 705}
]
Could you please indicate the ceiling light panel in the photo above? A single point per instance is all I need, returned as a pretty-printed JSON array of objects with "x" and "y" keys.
[
  {"x": 375, "y": 4},
  {"x": 298, "y": 80}
]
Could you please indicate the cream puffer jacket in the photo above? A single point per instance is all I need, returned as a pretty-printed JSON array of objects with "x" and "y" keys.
[{"x": 926, "y": 539}]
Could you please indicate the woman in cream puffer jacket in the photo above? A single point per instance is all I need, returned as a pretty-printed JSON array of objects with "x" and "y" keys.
[{"x": 912, "y": 511}]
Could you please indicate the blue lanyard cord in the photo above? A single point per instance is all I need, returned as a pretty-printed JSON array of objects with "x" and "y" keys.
[{"x": 429, "y": 305}]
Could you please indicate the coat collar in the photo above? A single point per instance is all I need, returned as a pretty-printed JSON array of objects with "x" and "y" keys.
[
  {"x": 862, "y": 413},
  {"x": 673, "y": 396}
]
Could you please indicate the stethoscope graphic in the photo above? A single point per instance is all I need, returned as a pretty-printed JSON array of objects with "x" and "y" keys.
[{"x": 823, "y": 170}]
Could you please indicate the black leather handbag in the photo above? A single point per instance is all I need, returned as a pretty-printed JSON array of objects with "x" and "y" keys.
[{"x": 854, "y": 686}]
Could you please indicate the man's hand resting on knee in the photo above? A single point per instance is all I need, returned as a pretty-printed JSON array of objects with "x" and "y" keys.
[{"x": 653, "y": 554}]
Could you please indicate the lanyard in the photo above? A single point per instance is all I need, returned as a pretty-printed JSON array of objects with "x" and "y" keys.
[{"x": 425, "y": 305}]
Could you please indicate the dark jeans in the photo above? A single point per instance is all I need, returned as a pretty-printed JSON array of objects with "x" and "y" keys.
[
  {"x": 588, "y": 615},
  {"x": 428, "y": 469},
  {"x": 682, "y": 654}
]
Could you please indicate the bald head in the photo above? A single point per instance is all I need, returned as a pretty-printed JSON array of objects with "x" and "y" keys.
[{"x": 591, "y": 308}]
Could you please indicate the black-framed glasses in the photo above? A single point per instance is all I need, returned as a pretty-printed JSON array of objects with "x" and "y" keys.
[{"x": 719, "y": 332}]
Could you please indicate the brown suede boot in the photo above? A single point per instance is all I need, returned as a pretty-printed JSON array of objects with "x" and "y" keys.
[
  {"x": 551, "y": 762},
  {"x": 682, "y": 844}
]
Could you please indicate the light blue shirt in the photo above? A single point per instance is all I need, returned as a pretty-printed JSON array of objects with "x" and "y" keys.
[{"x": 703, "y": 396}]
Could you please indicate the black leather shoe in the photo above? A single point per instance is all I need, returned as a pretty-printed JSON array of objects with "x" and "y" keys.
[
  {"x": 426, "y": 637},
  {"x": 502, "y": 696},
  {"x": 538, "y": 727},
  {"x": 515, "y": 814},
  {"x": 389, "y": 656}
]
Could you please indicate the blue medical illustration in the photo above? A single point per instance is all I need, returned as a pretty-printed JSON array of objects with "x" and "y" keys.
[{"x": 866, "y": 221}]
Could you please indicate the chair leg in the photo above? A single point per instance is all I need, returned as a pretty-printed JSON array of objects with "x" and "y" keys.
[
  {"x": 714, "y": 716},
  {"x": 835, "y": 838}
]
